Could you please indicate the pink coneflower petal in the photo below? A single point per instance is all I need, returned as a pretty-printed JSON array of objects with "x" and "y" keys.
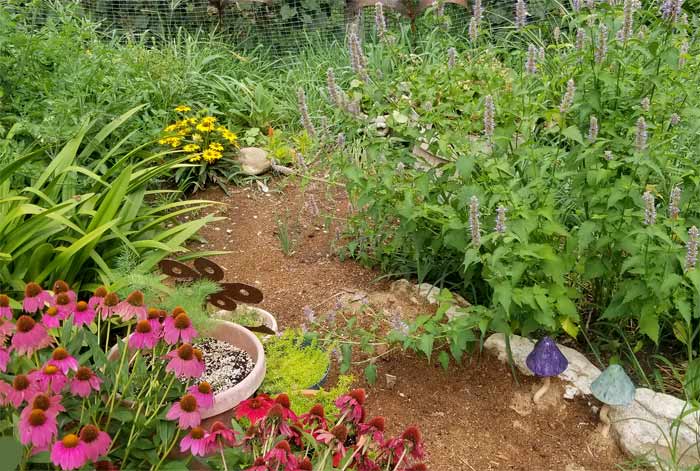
[
  {"x": 84, "y": 382},
  {"x": 185, "y": 362},
  {"x": 109, "y": 305},
  {"x": 220, "y": 435},
  {"x": 37, "y": 428},
  {"x": 6, "y": 328},
  {"x": 63, "y": 360},
  {"x": 132, "y": 307},
  {"x": 96, "y": 442},
  {"x": 255, "y": 408},
  {"x": 5, "y": 309},
  {"x": 4, "y": 359},
  {"x": 203, "y": 393},
  {"x": 179, "y": 329},
  {"x": 97, "y": 299},
  {"x": 186, "y": 411},
  {"x": 69, "y": 453},
  {"x": 35, "y": 298},
  {"x": 83, "y": 314},
  {"x": 281, "y": 455},
  {"x": 195, "y": 442},
  {"x": 65, "y": 305},
  {"x": 29, "y": 337},
  {"x": 144, "y": 336}
]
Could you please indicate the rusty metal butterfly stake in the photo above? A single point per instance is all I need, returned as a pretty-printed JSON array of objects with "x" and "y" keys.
[{"x": 229, "y": 293}]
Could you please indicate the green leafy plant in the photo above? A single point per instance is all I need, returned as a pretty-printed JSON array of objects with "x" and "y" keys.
[{"x": 293, "y": 364}]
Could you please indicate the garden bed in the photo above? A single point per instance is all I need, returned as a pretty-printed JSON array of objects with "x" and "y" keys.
[{"x": 473, "y": 417}]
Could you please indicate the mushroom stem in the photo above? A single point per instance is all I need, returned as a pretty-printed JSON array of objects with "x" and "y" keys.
[
  {"x": 540, "y": 392},
  {"x": 605, "y": 420}
]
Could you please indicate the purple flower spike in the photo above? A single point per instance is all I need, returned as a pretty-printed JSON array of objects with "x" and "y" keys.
[{"x": 546, "y": 359}]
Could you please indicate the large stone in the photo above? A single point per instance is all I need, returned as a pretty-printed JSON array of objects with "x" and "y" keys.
[
  {"x": 579, "y": 375},
  {"x": 253, "y": 160},
  {"x": 652, "y": 422}
]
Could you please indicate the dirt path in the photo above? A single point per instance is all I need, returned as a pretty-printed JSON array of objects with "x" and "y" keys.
[{"x": 473, "y": 417}]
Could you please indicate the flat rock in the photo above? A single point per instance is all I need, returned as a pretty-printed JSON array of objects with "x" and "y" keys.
[
  {"x": 253, "y": 160},
  {"x": 579, "y": 375},
  {"x": 650, "y": 423}
]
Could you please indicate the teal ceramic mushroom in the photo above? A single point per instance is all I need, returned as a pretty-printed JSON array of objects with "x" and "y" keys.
[{"x": 613, "y": 388}]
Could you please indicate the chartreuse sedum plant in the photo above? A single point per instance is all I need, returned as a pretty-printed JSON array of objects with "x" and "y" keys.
[
  {"x": 209, "y": 146},
  {"x": 73, "y": 222},
  {"x": 76, "y": 398},
  {"x": 547, "y": 182}
]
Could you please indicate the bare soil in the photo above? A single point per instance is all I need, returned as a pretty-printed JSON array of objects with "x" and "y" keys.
[{"x": 474, "y": 417}]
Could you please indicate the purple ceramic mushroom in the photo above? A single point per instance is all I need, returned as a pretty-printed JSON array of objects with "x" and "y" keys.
[{"x": 545, "y": 361}]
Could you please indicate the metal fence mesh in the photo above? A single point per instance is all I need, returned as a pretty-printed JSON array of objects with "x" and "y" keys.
[{"x": 282, "y": 25}]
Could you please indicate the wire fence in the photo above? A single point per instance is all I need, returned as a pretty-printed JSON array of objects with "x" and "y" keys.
[{"x": 285, "y": 25}]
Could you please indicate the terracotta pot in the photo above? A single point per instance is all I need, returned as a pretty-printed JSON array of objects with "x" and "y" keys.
[{"x": 242, "y": 338}]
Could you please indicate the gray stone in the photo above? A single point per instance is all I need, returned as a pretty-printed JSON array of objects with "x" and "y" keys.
[
  {"x": 649, "y": 424},
  {"x": 253, "y": 160},
  {"x": 579, "y": 375}
]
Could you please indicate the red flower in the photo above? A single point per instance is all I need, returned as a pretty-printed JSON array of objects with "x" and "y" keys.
[
  {"x": 373, "y": 428},
  {"x": 259, "y": 465},
  {"x": 281, "y": 456},
  {"x": 287, "y": 413},
  {"x": 315, "y": 418},
  {"x": 350, "y": 405},
  {"x": 254, "y": 408}
]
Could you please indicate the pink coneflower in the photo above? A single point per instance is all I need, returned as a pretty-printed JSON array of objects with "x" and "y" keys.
[
  {"x": 156, "y": 318},
  {"x": 132, "y": 307},
  {"x": 274, "y": 422},
  {"x": 413, "y": 441},
  {"x": 84, "y": 382},
  {"x": 37, "y": 428},
  {"x": 220, "y": 435},
  {"x": 5, "y": 309},
  {"x": 51, "y": 319},
  {"x": 29, "y": 337},
  {"x": 49, "y": 378},
  {"x": 49, "y": 404},
  {"x": 178, "y": 329},
  {"x": 97, "y": 299},
  {"x": 281, "y": 457},
  {"x": 254, "y": 408},
  {"x": 335, "y": 438},
  {"x": 83, "y": 314},
  {"x": 186, "y": 410},
  {"x": 109, "y": 305},
  {"x": 96, "y": 442},
  {"x": 144, "y": 336},
  {"x": 185, "y": 362},
  {"x": 61, "y": 286},
  {"x": 203, "y": 393},
  {"x": 350, "y": 405},
  {"x": 4, "y": 359},
  {"x": 195, "y": 442},
  {"x": 35, "y": 298},
  {"x": 64, "y": 305},
  {"x": 69, "y": 452},
  {"x": 260, "y": 464},
  {"x": 287, "y": 413},
  {"x": 315, "y": 418},
  {"x": 373, "y": 428},
  {"x": 63, "y": 360},
  {"x": 6, "y": 328},
  {"x": 19, "y": 391}
]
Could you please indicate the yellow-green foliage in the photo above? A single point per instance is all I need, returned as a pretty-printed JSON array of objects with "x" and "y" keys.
[{"x": 293, "y": 365}]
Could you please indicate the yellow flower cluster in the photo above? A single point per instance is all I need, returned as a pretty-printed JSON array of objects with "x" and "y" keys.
[{"x": 198, "y": 137}]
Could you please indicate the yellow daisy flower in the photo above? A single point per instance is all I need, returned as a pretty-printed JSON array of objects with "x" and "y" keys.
[
  {"x": 196, "y": 157},
  {"x": 216, "y": 146},
  {"x": 183, "y": 109},
  {"x": 210, "y": 155},
  {"x": 191, "y": 148},
  {"x": 208, "y": 120},
  {"x": 172, "y": 128},
  {"x": 175, "y": 142},
  {"x": 196, "y": 137},
  {"x": 205, "y": 127},
  {"x": 184, "y": 131}
]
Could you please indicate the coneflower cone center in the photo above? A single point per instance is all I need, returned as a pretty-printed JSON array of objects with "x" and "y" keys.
[
  {"x": 60, "y": 287},
  {"x": 188, "y": 403},
  {"x": 204, "y": 387},
  {"x": 101, "y": 292},
  {"x": 198, "y": 354},
  {"x": 70, "y": 441},
  {"x": 32, "y": 290},
  {"x": 89, "y": 433},
  {"x": 197, "y": 433},
  {"x": 83, "y": 373},
  {"x": 52, "y": 311},
  {"x": 50, "y": 369},
  {"x": 111, "y": 300},
  {"x": 63, "y": 299},
  {"x": 182, "y": 321},
  {"x": 135, "y": 299},
  {"x": 317, "y": 410},
  {"x": 153, "y": 313},
  {"x": 4, "y": 300},
  {"x": 340, "y": 432},
  {"x": 185, "y": 352},
  {"x": 41, "y": 401},
  {"x": 59, "y": 354},
  {"x": 20, "y": 383},
  {"x": 177, "y": 311},
  {"x": 37, "y": 418},
  {"x": 143, "y": 327},
  {"x": 25, "y": 324},
  {"x": 81, "y": 306}
]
